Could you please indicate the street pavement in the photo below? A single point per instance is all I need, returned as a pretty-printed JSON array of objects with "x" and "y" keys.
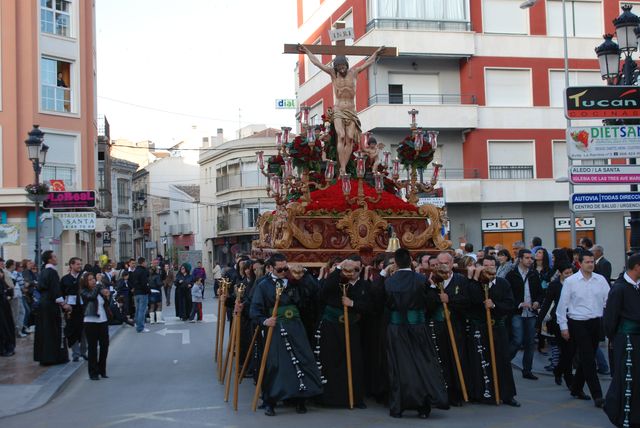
[{"x": 167, "y": 378}]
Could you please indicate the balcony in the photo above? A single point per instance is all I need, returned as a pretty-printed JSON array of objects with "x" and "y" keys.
[
  {"x": 418, "y": 24},
  {"x": 437, "y": 111},
  {"x": 510, "y": 172}
]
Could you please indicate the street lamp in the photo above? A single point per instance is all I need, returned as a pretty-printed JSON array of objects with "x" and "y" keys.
[
  {"x": 37, "y": 152},
  {"x": 627, "y": 33}
]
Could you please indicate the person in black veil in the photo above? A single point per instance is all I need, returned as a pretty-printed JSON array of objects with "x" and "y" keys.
[
  {"x": 291, "y": 373},
  {"x": 374, "y": 328},
  {"x": 415, "y": 377},
  {"x": 182, "y": 298},
  {"x": 7, "y": 327},
  {"x": 622, "y": 326},
  {"x": 49, "y": 346},
  {"x": 331, "y": 343},
  {"x": 502, "y": 304}
]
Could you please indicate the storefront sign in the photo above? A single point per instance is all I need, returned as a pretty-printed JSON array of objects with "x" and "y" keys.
[
  {"x": 629, "y": 201},
  {"x": 605, "y": 174},
  {"x": 502, "y": 225},
  {"x": 81, "y": 199},
  {"x": 285, "y": 104},
  {"x": 77, "y": 221},
  {"x": 602, "y": 102},
  {"x": 582, "y": 223},
  {"x": 603, "y": 142}
]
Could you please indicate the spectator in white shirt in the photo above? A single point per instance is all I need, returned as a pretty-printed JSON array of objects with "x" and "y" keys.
[{"x": 579, "y": 312}]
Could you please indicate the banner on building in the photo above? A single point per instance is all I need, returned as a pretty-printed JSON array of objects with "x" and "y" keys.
[
  {"x": 603, "y": 142},
  {"x": 9, "y": 234},
  {"x": 582, "y": 223},
  {"x": 77, "y": 220},
  {"x": 81, "y": 199},
  {"x": 502, "y": 224}
]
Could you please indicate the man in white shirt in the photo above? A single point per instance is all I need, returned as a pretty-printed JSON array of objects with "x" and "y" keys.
[{"x": 580, "y": 309}]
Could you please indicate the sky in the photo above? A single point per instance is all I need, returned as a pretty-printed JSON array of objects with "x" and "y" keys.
[{"x": 165, "y": 66}]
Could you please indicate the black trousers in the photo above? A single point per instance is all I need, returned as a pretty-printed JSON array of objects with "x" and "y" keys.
[
  {"x": 586, "y": 338},
  {"x": 97, "y": 333}
]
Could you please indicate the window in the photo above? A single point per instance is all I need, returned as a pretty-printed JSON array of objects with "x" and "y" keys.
[
  {"x": 511, "y": 160},
  {"x": 584, "y": 18},
  {"x": 504, "y": 16},
  {"x": 310, "y": 69},
  {"x": 250, "y": 174},
  {"x": 432, "y": 10},
  {"x": 395, "y": 94},
  {"x": 55, "y": 17},
  {"x": 124, "y": 242},
  {"x": 55, "y": 85},
  {"x": 412, "y": 88},
  {"x": 560, "y": 159},
  {"x": 576, "y": 78},
  {"x": 124, "y": 195},
  {"x": 508, "y": 87},
  {"x": 315, "y": 114},
  {"x": 252, "y": 216},
  {"x": 61, "y": 159}
]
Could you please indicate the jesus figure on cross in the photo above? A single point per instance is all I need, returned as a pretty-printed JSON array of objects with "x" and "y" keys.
[{"x": 344, "y": 117}]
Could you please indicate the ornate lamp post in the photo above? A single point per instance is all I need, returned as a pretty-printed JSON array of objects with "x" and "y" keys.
[
  {"x": 609, "y": 52},
  {"x": 37, "y": 152}
]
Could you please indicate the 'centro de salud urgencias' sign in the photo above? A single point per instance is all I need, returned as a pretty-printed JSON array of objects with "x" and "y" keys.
[
  {"x": 602, "y": 102},
  {"x": 80, "y": 199}
]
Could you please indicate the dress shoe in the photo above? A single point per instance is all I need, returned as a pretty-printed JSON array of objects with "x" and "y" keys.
[
  {"x": 529, "y": 376},
  {"x": 104, "y": 376},
  {"x": 580, "y": 395},
  {"x": 598, "y": 402},
  {"x": 395, "y": 415},
  {"x": 76, "y": 359},
  {"x": 424, "y": 412},
  {"x": 360, "y": 405},
  {"x": 513, "y": 403},
  {"x": 558, "y": 380},
  {"x": 301, "y": 408},
  {"x": 456, "y": 403},
  {"x": 96, "y": 377},
  {"x": 268, "y": 410},
  {"x": 7, "y": 354}
]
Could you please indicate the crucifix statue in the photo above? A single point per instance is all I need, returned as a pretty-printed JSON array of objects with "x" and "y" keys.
[{"x": 343, "y": 79}]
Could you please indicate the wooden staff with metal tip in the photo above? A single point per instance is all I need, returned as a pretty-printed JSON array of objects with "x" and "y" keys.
[
  {"x": 347, "y": 340},
  {"x": 454, "y": 346},
  {"x": 229, "y": 354},
  {"x": 267, "y": 345},
  {"x": 238, "y": 314},
  {"x": 222, "y": 316},
  {"x": 248, "y": 357},
  {"x": 492, "y": 347}
]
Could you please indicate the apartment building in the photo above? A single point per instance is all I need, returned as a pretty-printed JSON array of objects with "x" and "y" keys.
[
  {"x": 48, "y": 77},
  {"x": 489, "y": 77},
  {"x": 233, "y": 194}
]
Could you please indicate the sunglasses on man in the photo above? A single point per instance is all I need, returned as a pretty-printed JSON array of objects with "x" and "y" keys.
[{"x": 283, "y": 269}]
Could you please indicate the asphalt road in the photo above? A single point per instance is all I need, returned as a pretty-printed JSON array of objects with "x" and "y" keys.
[{"x": 158, "y": 380}]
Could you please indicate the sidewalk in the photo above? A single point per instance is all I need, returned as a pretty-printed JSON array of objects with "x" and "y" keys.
[{"x": 25, "y": 385}]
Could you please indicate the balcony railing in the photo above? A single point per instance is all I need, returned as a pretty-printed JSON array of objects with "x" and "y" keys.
[
  {"x": 237, "y": 181},
  {"x": 418, "y": 24},
  {"x": 452, "y": 174},
  {"x": 422, "y": 99},
  {"x": 56, "y": 98},
  {"x": 510, "y": 172}
]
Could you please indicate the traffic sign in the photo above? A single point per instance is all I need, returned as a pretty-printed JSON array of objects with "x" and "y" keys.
[
  {"x": 603, "y": 142},
  {"x": 587, "y": 202},
  {"x": 605, "y": 174}
]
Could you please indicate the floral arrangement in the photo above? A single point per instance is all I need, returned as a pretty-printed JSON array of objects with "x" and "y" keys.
[
  {"x": 275, "y": 164},
  {"x": 305, "y": 154},
  {"x": 332, "y": 199},
  {"x": 37, "y": 189},
  {"x": 410, "y": 158}
]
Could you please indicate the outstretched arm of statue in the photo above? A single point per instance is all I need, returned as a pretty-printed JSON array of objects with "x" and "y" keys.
[
  {"x": 314, "y": 60},
  {"x": 368, "y": 61}
]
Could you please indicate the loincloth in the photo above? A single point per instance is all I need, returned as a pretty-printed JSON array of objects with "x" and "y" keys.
[{"x": 348, "y": 117}]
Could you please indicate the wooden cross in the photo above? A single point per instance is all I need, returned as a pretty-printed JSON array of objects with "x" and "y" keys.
[{"x": 340, "y": 48}]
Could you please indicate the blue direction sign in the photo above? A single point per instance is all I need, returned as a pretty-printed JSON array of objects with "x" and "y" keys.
[{"x": 585, "y": 202}]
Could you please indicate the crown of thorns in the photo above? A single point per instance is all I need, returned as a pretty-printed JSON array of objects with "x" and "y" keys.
[{"x": 340, "y": 60}]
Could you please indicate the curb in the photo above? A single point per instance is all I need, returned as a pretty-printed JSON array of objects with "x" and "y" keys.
[{"x": 49, "y": 384}]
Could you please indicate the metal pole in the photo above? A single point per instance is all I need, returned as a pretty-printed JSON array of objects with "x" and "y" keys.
[
  {"x": 36, "y": 168},
  {"x": 566, "y": 85}
]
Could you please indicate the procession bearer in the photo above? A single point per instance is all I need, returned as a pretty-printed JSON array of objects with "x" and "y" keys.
[
  {"x": 291, "y": 372},
  {"x": 622, "y": 326}
]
